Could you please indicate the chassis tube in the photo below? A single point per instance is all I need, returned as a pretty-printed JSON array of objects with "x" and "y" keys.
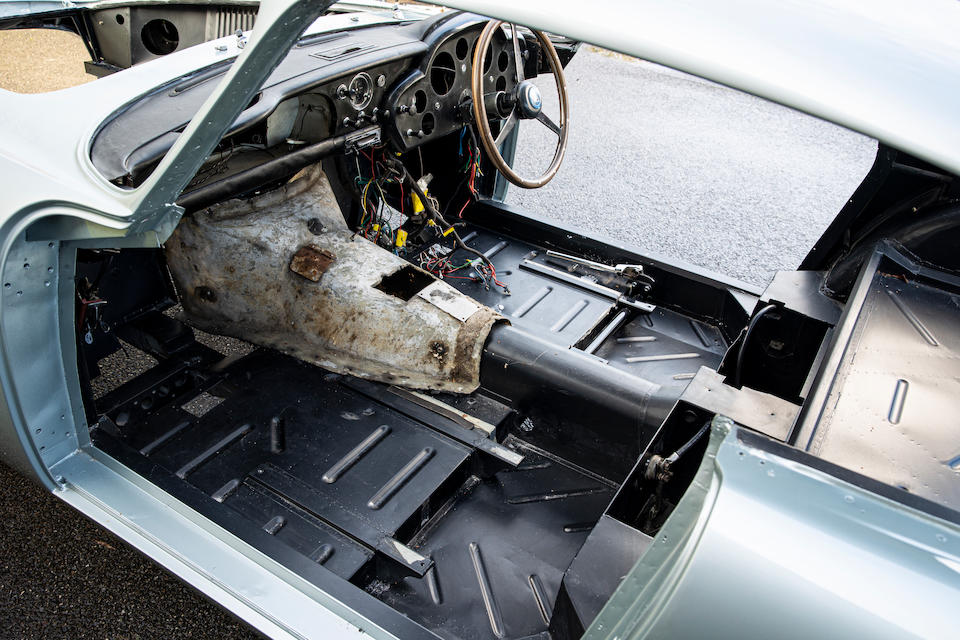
[
  {"x": 285, "y": 165},
  {"x": 531, "y": 372}
]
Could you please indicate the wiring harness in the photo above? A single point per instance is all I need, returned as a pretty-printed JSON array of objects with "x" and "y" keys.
[
  {"x": 389, "y": 180},
  {"x": 379, "y": 222}
]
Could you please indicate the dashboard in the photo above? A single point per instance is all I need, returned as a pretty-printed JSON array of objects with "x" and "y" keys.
[
  {"x": 435, "y": 101},
  {"x": 412, "y": 79}
]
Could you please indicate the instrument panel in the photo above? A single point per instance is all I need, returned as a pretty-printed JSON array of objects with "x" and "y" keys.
[
  {"x": 411, "y": 79},
  {"x": 435, "y": 99}
]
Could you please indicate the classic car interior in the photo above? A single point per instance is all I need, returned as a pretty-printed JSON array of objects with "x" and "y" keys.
[{"x": 351, "y": 356}]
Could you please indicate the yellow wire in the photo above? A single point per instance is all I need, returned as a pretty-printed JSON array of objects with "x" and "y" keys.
[{"x": 364, "y": 203}]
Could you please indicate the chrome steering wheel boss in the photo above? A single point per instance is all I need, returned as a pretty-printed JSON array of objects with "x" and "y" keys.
[{"x": 529, "y": 100}]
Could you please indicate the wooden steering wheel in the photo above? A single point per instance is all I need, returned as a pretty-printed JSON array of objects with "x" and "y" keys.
[{"x": 524, "y": 102}]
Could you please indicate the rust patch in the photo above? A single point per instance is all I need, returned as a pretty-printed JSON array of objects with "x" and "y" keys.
[
  {"x": 895, "y": 276},
  {"x": 205, "y": 293},
  {"x": 470, "y": 341},
  {"x": 439, "y": 351},
  {"x": 311, "y": 263}
]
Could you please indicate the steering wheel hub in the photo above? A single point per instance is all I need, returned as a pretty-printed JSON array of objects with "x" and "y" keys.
[{"x": 529, "y": 100}]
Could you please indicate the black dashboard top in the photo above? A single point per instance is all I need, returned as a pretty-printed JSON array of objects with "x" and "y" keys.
[{"x": 412, "y": 78}]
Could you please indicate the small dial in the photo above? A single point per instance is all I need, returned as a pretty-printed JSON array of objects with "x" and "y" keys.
[{"x": 360, "y": 91}]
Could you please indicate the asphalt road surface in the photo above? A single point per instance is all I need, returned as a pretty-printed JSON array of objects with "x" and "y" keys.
[
  {"x": 684, "y": 168},
  {"x": 673, "y": 164}
]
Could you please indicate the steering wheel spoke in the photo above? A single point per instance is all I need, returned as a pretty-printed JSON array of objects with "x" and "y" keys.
[
  {"x": 505, "y": 130},
  {"x": 545, "y": 120},
  {"x": 517, "y": 58}
]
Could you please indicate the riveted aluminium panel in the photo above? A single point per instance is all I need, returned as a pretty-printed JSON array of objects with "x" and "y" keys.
[{"x": 891, "y": 411}]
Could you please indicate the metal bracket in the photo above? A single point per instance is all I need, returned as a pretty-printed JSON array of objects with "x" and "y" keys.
[
  {"x": 629, "y": 271},
  {"x": 587, "y": 285},
  {"x": 369, "y": 137}
]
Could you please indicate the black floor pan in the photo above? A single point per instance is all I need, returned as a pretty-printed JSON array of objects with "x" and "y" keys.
[
  {"x": 501, "y": 550},
  {"x": 276, "y": 444}
]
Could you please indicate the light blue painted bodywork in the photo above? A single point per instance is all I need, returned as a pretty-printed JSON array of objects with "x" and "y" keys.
[
  {"x": 56, "y": 202},
  {"x": 759, "y": 545},
  {"x": 762, "y": 546}
]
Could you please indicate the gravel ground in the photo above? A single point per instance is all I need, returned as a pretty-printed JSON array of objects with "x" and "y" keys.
[
  {"x": 39, "y": 60},
  {"x": 676, "y": 165}
]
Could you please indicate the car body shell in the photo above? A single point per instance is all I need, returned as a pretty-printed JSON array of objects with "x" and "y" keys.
[{"x": 758, "y": 534}]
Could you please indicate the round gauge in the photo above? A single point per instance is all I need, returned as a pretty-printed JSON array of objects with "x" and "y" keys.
[
  {"x": 360, "y": 91},
  {"x": 443, "y": 73}
]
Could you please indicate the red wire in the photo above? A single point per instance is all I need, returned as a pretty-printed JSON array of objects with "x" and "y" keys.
[
  {"x": 373, "y": 172},
  {"x": 470, "y": 182},
  {"x": 493, "y": 273}
]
